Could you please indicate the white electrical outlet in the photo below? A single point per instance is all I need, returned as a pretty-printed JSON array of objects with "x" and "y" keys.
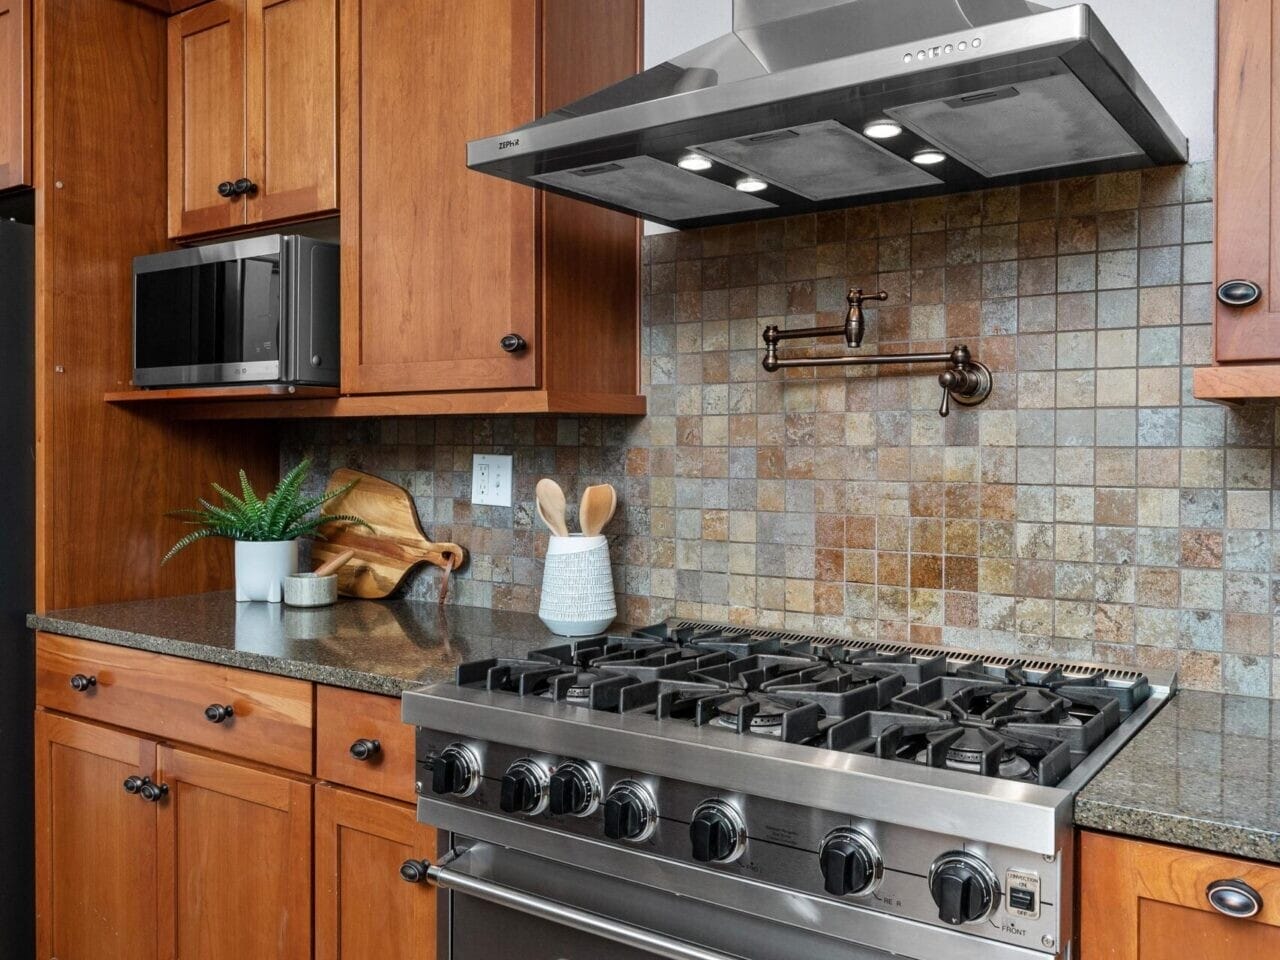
[{"x": 491, "y": 480}]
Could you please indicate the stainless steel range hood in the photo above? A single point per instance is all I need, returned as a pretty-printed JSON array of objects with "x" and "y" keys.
[{"x": 994, "y": 92}]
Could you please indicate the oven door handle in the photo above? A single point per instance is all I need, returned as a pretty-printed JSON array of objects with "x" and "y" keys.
[{"x": 641, "y": 939}]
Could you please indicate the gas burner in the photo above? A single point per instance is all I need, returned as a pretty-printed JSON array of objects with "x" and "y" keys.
[
  {"x": 763, "y": 713},
  {"x": 982, "y": 751}
]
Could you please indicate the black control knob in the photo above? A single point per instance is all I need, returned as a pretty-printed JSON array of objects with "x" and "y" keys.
[
  {"x": 524, "y": 789},
  {"x": 365, "y": 749},
  {"x": 82, "y": 683},
  {"x": 629, "y": 812},
  {"x": 574, "y": 790},
  {"x": 851, "y": 864},
  {"x": 963, "y": 887},
  {"x": 717, "y": 833},
  {"x": 455, "y": 772},
  {"x": 219, "y": 712}
]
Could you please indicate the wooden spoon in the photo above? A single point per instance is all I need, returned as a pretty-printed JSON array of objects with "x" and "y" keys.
[
  {"x": 597, "y": 509},
  {"x": 551, "y": 507}
]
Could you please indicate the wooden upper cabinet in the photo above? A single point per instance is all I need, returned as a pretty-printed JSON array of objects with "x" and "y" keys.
[
  {"x": 364, "y": 910},
  {"x": 233, "y": 861},
  {"x": 441, "y": 263},
  {"x": 15, "y": 93},
  {"x": 95, "y": 843},
  {"x": 206, "y": 116},
  {"x": 1147, "y": 901},
  {"x": 1248, "y": 176},
  {"x": 253, "y": 98},
  {"x": 292, "y": 74}
]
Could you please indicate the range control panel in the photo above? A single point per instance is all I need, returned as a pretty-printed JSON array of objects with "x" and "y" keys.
[{"x": 999, "y": 893}]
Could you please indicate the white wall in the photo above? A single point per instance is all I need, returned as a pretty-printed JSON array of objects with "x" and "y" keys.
[{"x": 1173, "y": 43}]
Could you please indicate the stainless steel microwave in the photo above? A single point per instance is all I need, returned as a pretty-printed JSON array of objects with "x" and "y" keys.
[{"x": 262, "y": 310}]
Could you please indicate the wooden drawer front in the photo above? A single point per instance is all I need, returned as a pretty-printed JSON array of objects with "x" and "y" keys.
[
  {"x": 271, "y": 719},
  {"x": 344, "y": 717}
]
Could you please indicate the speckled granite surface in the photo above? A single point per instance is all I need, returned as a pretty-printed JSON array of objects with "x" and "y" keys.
[
  {"x": 377, "y": 646},
  {"x": 1204, "y": 773}
]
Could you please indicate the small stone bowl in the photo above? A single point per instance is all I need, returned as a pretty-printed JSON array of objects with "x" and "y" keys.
[{"x": 310, "y": 590}]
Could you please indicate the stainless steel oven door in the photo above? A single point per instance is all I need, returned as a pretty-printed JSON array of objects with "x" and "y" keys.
[{"x": 506, "y": 904}]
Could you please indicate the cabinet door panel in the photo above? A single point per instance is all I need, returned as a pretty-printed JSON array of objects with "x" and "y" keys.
[
  {"x": 292, "y": 70},
  {"x": 15, "y": 93},
  {"x": 1248, "y": 178},
  {"x": 364, "y": 911},
  {"x": 439, "y": 263},
  {"x": 234, "y": 861},
  {"x": 95, "y": 843},
  {"x": 1147, "y": 901},
  {"x": 206, "y": 116}
]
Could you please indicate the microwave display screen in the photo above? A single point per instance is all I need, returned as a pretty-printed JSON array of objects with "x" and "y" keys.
[{"x": 209, "y": 314}]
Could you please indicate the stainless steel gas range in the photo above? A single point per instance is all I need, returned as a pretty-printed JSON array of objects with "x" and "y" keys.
[{"x": 700, "y": 792}]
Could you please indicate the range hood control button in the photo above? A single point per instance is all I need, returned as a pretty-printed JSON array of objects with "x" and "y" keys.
[
  {"x": 575, "y": 790},
  {"x": 524, "y": 788},
  {"x": 851, "y": 864},
  {"x": 963, "y": 887},
  {"x": 630, "y": 812},
  {"x": 717, "y": 832},
  {"x": 455, "y": 772}
]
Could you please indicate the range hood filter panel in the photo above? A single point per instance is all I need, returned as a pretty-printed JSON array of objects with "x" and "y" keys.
[
  {"x": 1030, "y": 126},
  {"x": 652, "y": 188},
  {"x": 820, "y": 161}
]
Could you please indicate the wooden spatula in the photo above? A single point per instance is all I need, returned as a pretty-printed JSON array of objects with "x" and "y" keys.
[
  {"x": 551, "y": 507},
  {"x": 597, "y": 508}
]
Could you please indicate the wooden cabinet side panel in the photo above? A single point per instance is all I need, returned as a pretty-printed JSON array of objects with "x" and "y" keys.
[
  {"x": 15, "y": 93},
  {"x": 234, "y": 861},
  {"x": 590, "y": 256},
  {"x": 1129, "y": 889},
  {"x": 100, "y": 121},
  {"x": 292, "y": 80},
  {"x": 1247, "y": 233},
  {"x": 206, "y": 116},
  {"x": 364, "y": 911},
  {"x": 440, "y": 263},
  {"x": 95, "y": 843}
]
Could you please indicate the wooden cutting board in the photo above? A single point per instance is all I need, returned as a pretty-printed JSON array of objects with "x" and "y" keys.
[{"x": 395, "y": 546}]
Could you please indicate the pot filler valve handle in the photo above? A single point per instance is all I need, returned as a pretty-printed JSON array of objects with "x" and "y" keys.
[{"x": 967, "y": 382}]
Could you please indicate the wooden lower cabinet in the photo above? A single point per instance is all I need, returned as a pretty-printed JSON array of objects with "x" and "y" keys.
[
  {"x": 95, "y": 843},
  {"x": 364, "y": 910},
  {"x": 234, "y": 861},
  {"x": 1147, "y": 901}
]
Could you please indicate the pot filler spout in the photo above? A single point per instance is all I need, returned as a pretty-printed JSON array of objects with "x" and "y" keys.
[{"x": 815, "y": 104}]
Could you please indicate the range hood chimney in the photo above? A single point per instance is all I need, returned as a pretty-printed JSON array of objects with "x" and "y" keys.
[{"x": 814, "y": 104}]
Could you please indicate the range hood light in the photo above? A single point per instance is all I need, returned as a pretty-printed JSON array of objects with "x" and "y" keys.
[
  {"x": 882, "y": 129},
  {"x": 927, "y": 158},
  {"x": 751, "y": 185},
  {"x": 695, "y": 162}
]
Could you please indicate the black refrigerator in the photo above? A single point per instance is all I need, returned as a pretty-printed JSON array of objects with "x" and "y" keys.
[{"x": 17, "y": 586}]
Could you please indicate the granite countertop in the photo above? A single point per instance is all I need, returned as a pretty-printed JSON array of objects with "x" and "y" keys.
[
  {"x": 372, "y": 645},
  {"x": 1203, "y": 773}
]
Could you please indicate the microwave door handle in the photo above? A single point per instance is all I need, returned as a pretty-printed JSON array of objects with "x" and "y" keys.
[{"x": 646, "y": 941}]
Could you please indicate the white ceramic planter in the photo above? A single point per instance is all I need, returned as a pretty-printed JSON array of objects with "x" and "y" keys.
[{"x": 262, "y": 567}]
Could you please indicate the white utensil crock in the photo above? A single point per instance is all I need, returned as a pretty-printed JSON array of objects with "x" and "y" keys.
[{"x": 577, "y": 587}]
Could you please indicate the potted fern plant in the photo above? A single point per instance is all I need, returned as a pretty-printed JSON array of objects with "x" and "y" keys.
[{"x": 265, "y": 529}]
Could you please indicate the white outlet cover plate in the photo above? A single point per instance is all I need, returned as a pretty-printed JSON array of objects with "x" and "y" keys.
[{"x": 491, "y": 480}]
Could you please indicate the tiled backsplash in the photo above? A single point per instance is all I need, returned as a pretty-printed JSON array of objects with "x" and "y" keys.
[{"x": 1090, "y": 509}]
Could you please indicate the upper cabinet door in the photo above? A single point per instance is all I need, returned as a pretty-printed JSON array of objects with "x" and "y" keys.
[
  {"x": 1248, "y": 181},
  {"x": 234, "y": 861},
  {"x": 206, "y": 117},
  {"x": 95, "y": 843},
  {"x": 15, "y": 94},
  {"x": 292, "y": 70},
  {"x": 439, "y": 262}
]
